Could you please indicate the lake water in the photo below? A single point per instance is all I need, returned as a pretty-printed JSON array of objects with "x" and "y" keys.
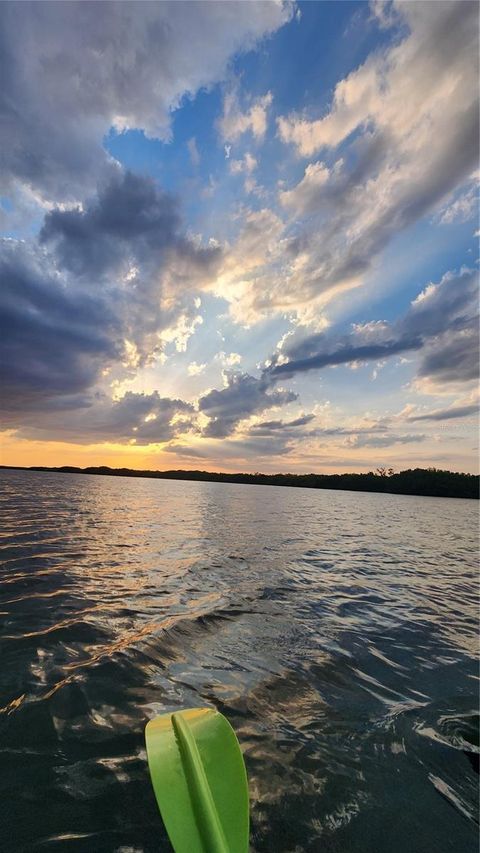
[{"x": 337, "y": 631}]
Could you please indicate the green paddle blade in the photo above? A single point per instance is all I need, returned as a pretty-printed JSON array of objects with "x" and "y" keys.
[{"x": 200, "y": 782}]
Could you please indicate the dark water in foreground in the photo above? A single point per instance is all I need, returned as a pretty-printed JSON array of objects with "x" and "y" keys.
[{"x": 336, "y": 631}]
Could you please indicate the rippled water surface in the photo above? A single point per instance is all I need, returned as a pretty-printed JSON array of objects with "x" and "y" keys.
[{"x": 336, "y": 630}]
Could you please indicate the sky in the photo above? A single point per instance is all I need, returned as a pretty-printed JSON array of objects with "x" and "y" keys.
[{"x": 240, "y": 236}]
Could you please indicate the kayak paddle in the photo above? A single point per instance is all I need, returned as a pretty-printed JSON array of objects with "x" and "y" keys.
[{"x": 200, "y": 782}]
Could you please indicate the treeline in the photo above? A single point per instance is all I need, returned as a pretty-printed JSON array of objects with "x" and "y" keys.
[{"x": 414, "y": 481}]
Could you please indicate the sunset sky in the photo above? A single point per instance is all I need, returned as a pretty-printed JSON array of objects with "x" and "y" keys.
[{"x": 240, "y": 236}]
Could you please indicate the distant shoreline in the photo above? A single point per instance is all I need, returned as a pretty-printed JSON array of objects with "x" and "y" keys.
[{"x": 427, "y": 482}]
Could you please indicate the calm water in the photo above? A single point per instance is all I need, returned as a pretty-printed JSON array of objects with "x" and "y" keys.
[{"x": 336, "y": 631}]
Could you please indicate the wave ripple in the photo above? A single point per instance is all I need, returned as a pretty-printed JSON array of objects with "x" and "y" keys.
[{"x": 337, "y": 631}]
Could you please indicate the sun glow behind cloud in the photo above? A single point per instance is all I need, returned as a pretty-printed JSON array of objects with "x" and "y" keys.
[{"x": 190, "y": 288}]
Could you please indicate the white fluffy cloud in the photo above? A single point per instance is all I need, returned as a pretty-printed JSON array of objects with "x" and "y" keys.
[
  {"x": 195, "y": 369},
  {"x": 247, "y": 165},
  {"x": 236, "y": 121},
  {"x": 411, "y": 91},
  {"x": 228, "y": 359}
]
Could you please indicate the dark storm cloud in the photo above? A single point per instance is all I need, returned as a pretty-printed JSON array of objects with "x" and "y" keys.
[
  {"x": 243, "y": 396},
  {"x": 54, "y": 341},
  {"x": 442, "y": 322}
]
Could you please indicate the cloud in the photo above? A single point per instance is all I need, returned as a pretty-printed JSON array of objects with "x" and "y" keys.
[
  {"x": 54, "y": 340},
  {"x": 442, "y": 322},
  {"x": 387, "y": 440},
  {"x": 278, "y": 437},
  {"x": 247, "y": 165},
  {"x": 186, "y": 451},
  {"x": 193, "y": 151},
  {"x": 385, "y": 13},
  {"x": 344, "y": 350},
  {"x": 375, "y": 144},
  {"x": 128, "y": 237},
  {"x": 129, "y": 227},
  {"x": 463, "y": 208},
  {"x": 383, "y": 172},
  {"x": 453, "y": 359},
  {"x": 267, "y": 427},
  {"x": 258, "y": 446},
  {"x": 440, "y": 45},
  {"x": 243, "y": 396},
  {"x": 302, "y": 431},
  {"x": 304, "y": 197},
  {"x": 71, "y": 72},
  {"x": 145, "y": 418},
  {"x": 235, "y": 121},
  {"x": 233, "y": 450},
  {"x": 228, "y": 359},
  {"x": 453, "y": 412},
  {"x": 108, "y": 285},
  {"x": 129, "y": 218},
  {"x": 195, "y": 369},
  {"x": 113, "y": 278},
  {"x": 139, "y": 419},
  {"x": 244, "y": 276}
]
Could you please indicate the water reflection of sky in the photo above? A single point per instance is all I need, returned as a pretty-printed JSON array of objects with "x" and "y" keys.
[{"x": 336, "y": 630}]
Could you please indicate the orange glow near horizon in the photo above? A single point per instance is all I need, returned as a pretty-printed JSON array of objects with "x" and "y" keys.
[
  {"x": 57, "y": 453},
  {"x": 26, "y": 453}
]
